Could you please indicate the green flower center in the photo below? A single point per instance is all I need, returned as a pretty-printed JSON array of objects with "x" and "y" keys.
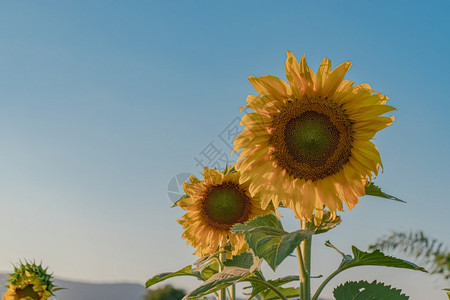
[
  {"x": 27, "y": 292},
  {"x": 225, "y": 205},
  {"x": 312, "y": 138}
]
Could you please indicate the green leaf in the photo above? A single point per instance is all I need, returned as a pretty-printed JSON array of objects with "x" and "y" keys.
[
  {"x": 207, "y": 266},
  {"x": 207, "y": 271},
  {"x": 245, "y": 260},
  {"x": 228, "y": 276},
  {"x": 327, "y": 223},
  {"x": 362, "y": 290},
  {"x": 448, "y": 293},
  {"x": 186, "y": 271},
  {"x": 289, "y": 292},
  {"x": 258, "y": 288},
  {"x": 269, "y": 220},
  {"x": 375, "y": 258},
  {"x": 266, "y": 237},
  {"x": 373, "y": 190}
]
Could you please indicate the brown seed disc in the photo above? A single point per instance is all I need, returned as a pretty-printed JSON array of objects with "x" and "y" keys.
[
  {"x": 225, "y": 205},
  {"x": 311, "y": 138}
]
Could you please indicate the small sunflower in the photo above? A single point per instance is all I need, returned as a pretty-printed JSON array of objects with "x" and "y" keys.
[
  {"x": 307, "y": 145},
  {"x": 29, "y": 282},
  {"x": 213, "y": 206}
]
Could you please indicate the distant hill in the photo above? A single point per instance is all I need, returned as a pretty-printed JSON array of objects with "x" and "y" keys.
[{"x": 92, "y": 291}]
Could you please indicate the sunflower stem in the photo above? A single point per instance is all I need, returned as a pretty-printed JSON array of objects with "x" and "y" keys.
[
  {"x": 304, "y": 259},
  {"x": 301, "y": 267},
  {"x": 222, "y": 292},
  {"x": 324, "y": 283}
]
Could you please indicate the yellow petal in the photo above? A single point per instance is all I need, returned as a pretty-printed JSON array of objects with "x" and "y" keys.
[
  {"x": 322, "y": 75},
  {"x": 292, "y": 68},
  {"x": 270, "y": 85},
  {"x": 307, "y": 77},
  {"x": 335, "y": 79},
  {"x": 212, "y": 176}
]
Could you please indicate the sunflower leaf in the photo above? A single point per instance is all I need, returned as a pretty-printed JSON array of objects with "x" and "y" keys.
[
  {"x": 289, "y": 292},
  {"x": 205, "y": 271},
  {"x": 244, "y": 260},
  {"x": 362, "y": 290},
  {"x": 228, "y": 276},
  {"x": 186, "y": 271},
  {"x": 266, "y": 237},
  {"x": 375, "y": 258},
  {"x": 269, "y": 220},
  {"x": 373, "y": 190},
  {"x": 258, "y": 288}
]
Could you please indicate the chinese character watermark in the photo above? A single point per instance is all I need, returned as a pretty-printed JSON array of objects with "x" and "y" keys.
[
  {"x": 216, "y": 154},
  {"x": 175, "y": 187}
]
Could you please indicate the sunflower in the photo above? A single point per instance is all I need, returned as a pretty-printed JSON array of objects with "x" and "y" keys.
[
  {"x": 213, "y": 206},
  {"x": 29, "y": 282},
  {"x": 307, "y": 143}
]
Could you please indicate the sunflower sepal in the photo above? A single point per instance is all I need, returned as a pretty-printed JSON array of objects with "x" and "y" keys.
[
  {"x": 328, "y": 222},
  {"x": 373, "y": 190},
  {"x": 229, "y": 169},
  {"x": 268, "y": 240},
  {"x": 181, "y": 198}
]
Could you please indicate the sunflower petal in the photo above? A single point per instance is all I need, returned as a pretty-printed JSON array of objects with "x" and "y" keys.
[
  {"x": 335, "y": 79},
  {"x": 270, "y": 85},
  {"x": 322, "y": 75}
]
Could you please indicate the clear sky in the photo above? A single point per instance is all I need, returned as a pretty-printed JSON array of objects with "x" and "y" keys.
[{"x": 103, "y": 102}]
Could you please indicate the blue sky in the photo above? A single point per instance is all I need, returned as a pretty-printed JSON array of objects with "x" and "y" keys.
[{"x": 103, "y": 102}]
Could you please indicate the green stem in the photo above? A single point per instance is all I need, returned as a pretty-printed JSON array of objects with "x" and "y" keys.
[
  {"x": 305, "y": 265},
  {"x": 229, "y": 292},
  {"x": 324, "y": 283},
  {"x": 222, "y": 292},
  {"x": 270, "y": 286},
  {"x": 301, "y": 267}
]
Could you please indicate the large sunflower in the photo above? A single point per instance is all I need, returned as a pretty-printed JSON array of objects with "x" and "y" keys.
[
  {"x": 307, "y": 145},
  {"x": 213, "y": 206}
]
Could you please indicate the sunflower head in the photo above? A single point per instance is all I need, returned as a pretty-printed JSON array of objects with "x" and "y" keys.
[
  {"x": 307, "y": 143},
  {"x": 29, "y": 282},
  {"x": 213, "y": 206}
]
